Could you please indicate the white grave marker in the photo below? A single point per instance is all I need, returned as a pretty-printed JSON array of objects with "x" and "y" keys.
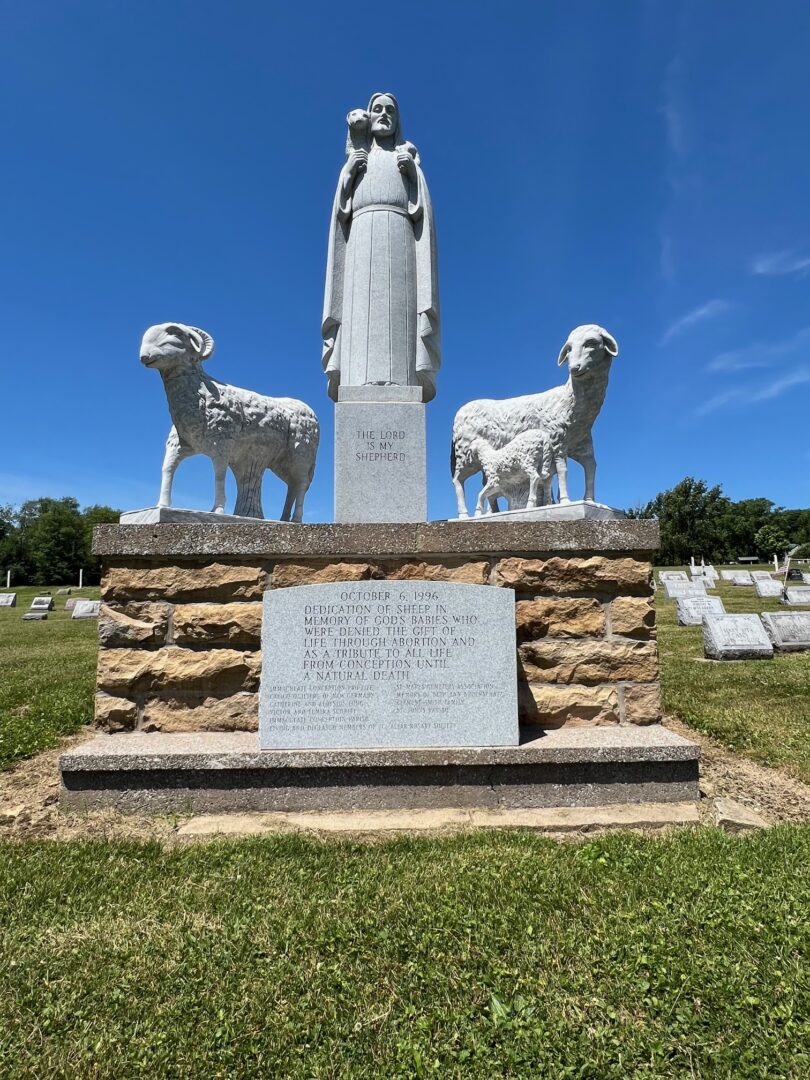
[
  {"x": 676, "y": 589},
  {"x": 691, "y": 609},
  {"x": 797, "y": 594},
  {"x": 8, "y": 599},
  {"x": 788, "y": 630},
  {"x": 769, "y": 587},
  {"x": 86, "y": 609},
  {"x": 735, "y": 637}
]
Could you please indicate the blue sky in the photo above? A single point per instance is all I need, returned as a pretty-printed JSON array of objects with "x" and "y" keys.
[{"x": 645, "y": 166}]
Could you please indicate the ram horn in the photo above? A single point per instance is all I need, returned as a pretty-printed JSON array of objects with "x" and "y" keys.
[{"x": 206, "y": 342}]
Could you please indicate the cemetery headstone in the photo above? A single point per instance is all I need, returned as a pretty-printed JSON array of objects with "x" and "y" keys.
[
  {"x": 735, "y": 637},
  {"x": 42, "y": 603},
  {"x": 71, "y": 603},
  {"x": 797, "y": 594},
  {"x": 63, "y": 592},
  {"x": 788, "y": 630},
  {"x": 769, "y": 587},
  {"x": 742, "y": 577},
  {"x": 795, "y": 575},
  {"x": 691, "y": 609},
  {"x": 806, "y": 579},
  {"x": 86, "y": 609},
  {"x": 367, "y": 664},
  {"x": 761, "y": 575},
  {"x": 35, "y": 616},
  {"x": 8, "y": 599},
  {"x": 728, "y": 575},
  {"x": 676, "y": 589},
  {"x": 672, "y": 575}
]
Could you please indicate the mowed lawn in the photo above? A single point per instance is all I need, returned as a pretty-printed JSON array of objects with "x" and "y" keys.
[
  {"x": 48, "y": 672},
  {"x": 486, "y": 955},
  {"x": 760, "y": 708}
]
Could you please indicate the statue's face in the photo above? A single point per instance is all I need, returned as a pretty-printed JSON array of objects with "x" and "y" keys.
[{"x": 383, "y": 116}]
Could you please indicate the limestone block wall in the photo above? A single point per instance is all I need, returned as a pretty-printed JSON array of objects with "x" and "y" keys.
[{"x": 180, "y": 633}]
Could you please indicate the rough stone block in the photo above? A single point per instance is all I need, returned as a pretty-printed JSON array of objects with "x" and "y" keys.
[
  {"x": 288, "y": 574},
  {"x": 575, "y": 574},
  {"x": 211, "y": 581},
  {"x": 559, "y": 617},
  {"x": 216, "y": 671},
  {"x": 589, "y": 662},
  {"x": 633, "y": 616},
  {"x": 238, "y": 712},
  {"x": 466, "y": 573},
  {"x": 226, "y": 624},
  {"x": 115, "y": 713},
  {"x": 552, "y": 706},
  {"x": 642, "y": 704},
  {"x": 116, "y": 628}
]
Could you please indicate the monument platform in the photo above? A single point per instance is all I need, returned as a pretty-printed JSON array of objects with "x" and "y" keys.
[
  {"x": 575, "y": 510},
  {"x": 183, "y": 658},
  {"x": 208, "y": 772}
]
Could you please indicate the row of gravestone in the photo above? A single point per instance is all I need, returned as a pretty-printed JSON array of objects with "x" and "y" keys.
[
  {"x": 677, "y": 586},
  {"x": 741, "y": 637},
  {"x": 41, "y": 605}
]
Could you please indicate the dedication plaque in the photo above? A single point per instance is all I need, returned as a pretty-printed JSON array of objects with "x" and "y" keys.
[{"x": 388, "y": 664}]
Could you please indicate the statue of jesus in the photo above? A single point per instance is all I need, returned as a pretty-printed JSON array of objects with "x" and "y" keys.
[{"x": 381, "y": 306}]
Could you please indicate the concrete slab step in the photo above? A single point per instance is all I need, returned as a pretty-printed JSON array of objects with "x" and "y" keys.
[{"x": 217, "y": 772}]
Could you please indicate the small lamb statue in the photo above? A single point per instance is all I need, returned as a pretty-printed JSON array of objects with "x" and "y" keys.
[
  {"x": 528, "y": 457},
  {"x": 237, "y": 429}
]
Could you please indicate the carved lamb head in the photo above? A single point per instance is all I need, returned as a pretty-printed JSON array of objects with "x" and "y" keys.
[
  {"x": 589, "y": 348},
  {"x": 169, "y": 346}
]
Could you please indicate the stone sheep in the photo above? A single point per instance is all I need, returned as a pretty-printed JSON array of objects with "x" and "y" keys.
[
  {"x": 529, "y": 458},
  {"x": 237, "y": 429},
  {"x": 566, "y": 413}
]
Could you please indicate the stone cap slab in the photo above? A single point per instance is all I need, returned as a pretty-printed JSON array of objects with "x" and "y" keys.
[
  {"x": 207, "y": 751},
  {"x": 270, "y": 539}
]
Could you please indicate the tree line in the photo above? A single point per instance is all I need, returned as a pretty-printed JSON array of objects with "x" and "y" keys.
[
  {"x": 47, "y": 541},
  {"x": 697, "y": 520}
]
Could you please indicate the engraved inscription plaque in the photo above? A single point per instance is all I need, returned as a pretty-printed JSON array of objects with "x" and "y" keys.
[
  {"x": 735, "y": 637},
  {"x": 788, "y": 630},
  {"x": 691, "y": 609},
  {"x": 8, "y": 599},
  {"x": 676, "y": 589},
  {"x": 388, "y": 664}
]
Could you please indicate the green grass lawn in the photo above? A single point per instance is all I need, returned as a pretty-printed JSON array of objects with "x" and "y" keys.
[
  {"x": 488, "y": 955},
  {"x": 760, "y": 708},
  {"x": 48, "y": 672}
]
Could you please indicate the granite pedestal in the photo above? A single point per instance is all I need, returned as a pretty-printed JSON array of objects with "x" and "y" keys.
[{"x": 380, "y": 454}]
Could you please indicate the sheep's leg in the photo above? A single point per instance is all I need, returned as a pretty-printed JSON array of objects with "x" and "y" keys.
[
  {"x": 548, "y": 491},
  {"x": 534, "y": 483},
  {"x": 298, "y": 494},
  {"x": 220, "y": 468},
  {"x": 493, "y": 506},
  {"x": 288, "y": 504},
  {"x": 487, "y": 492},
  {"x": 562, "y": 478},
  {"x": 175, "y": 453},
  {"x": 459, "y": 478},
  {"x": 588, "y": 462}
]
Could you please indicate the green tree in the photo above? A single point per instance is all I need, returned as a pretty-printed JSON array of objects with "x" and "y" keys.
[
  {"x": 770, "y": 540},
  {"x": 53, "y": 538},
  {"x": 91, "y": 516},
  {"x": 692, "y": 520}
]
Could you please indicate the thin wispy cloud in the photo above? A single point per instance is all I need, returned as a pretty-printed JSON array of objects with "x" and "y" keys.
[
  {"x": 780, "y": 263},
  {"x": 710, "y": 310},
  {"x": 746, "y": 395},
  {"x": 761, "y": 354}
]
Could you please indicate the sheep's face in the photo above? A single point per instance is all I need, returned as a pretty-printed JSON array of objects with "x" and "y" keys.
[
  {"x": 169, "y": 346},
  {"x": 588, "y": 350},
  {"x": 358, "y": 121}
]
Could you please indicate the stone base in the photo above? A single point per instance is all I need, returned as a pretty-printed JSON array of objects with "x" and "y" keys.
[
  {"x": 209, "y": 773},
  {"x": 380, "y": 455},
  {"x": 577, "y": 510},
  {"x": 172, "y": 515}
]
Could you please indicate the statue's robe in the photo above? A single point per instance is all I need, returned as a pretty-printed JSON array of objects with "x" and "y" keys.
[{"x": 381, "y": 306}]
